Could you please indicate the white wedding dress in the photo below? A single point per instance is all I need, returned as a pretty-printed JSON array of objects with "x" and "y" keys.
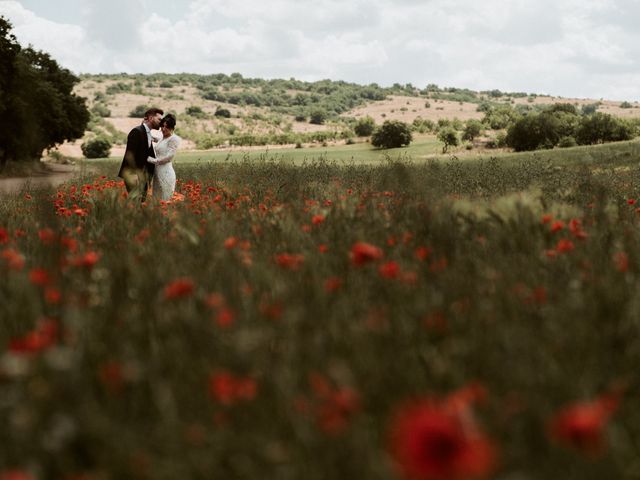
[{"x": 164, "y": 178}]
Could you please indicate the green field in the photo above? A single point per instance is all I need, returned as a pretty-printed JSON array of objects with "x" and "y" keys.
[{"x": 381, "y": 318}]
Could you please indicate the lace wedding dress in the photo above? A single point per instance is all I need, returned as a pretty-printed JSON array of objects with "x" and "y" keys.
[{"x": 164, "y": 178}]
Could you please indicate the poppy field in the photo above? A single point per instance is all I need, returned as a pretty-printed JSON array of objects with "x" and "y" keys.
[{"x": 443, "y": 320}]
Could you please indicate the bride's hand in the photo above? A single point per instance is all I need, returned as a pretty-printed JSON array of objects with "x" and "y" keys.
[{"x": 152, "y": 160}]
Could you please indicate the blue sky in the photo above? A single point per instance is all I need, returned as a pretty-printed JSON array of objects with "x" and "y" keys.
[{"x": 572, "y": 48}]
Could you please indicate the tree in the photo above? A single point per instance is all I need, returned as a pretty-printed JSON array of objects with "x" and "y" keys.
[
  {"x": 38, "y": 105},
  {"x": 392, "y": 134},
  {"x": 318, "y": 117},
  {"x": 364, "y": 126},
  {"x": 602, "y": 127},
  {"x": 448, "y": 136},
  {"x": 472, "y": 129},
  {"x": 96, "y": 148}
]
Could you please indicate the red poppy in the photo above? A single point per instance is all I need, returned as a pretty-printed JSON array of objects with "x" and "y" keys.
[
  {"x": 52, "y": 295},
  {"x": 39, "y": 276},
  {"x": 4, "y": 236},
  {"x": 47, "y": 236},
  {"x": 422, "y": 253},
  {"x": 225, "y": 317},
  {"x": 289, "y": 261},
  {"x": 430, "y": 441},
  {"x": 557, "y": 226},
  {"x": 389, "y": 269},
  {"x": 43, "y": 336},
  {"x": 621, "y": 259},
  {"x": 179, "y": 288},
  {"x": 14, "y": 259},
  {"x": 317, "y": 219},
  {"x": 228, "y": 389},
  {"x": 362, "y": 253},
  {"x": 565, "y": 245},
  {"x": 332, "y": 284},
  {"x": 16, "y": 475},
  {"x": 88, "y": 260},
  {"x": 581, "y": 425}
]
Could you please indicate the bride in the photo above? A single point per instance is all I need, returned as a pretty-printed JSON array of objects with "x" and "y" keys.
[{"x": 164, "y": 178}]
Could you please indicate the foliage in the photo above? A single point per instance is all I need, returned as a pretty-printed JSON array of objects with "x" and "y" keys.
[
  {"x": 101, "y": 110},
  {"x": 392, "y": 134},
  {"x": 602, "y": 127},
  {"x": 364, "y": 126},
  {"x": 222, "y": 112},
  {"x": 472, "y": 129},
  {"x": 626, "y": 105},
  {"x": 449, "y": 137},
  {"x": 96, "y": 148},
  {"x": 317, "y": 117},
  {"x": 139, "y": 111},
  {"x": 38, "y": 108},
  {"x": 196, "y": 111}
]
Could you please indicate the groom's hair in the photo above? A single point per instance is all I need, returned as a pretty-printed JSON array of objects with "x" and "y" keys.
[{"x": 153, "y": 111}]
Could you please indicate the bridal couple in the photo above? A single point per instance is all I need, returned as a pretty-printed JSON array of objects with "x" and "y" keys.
[{"x": 148, "y": 159}]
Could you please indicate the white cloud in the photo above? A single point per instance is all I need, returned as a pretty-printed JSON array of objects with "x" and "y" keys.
[{"x": 565, "y": 47}]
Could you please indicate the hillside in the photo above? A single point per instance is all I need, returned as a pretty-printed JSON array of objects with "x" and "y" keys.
[{"x": 286, "y": 112}]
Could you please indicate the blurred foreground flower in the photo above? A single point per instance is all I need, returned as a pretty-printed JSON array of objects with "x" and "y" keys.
[
  {"x": 43, "y": 336},
  {"x": 581, "y": 426},
  {"x": 436, "y": 440},
  {"x": 362, "y": 252},
  {"x": 179, "y": 288}
]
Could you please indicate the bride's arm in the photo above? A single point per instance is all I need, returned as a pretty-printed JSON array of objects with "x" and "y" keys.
[{"x": 172, "y": 147}]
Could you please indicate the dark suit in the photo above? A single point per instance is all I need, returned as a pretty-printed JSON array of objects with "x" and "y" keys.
[{"x": 135, "y": 170}]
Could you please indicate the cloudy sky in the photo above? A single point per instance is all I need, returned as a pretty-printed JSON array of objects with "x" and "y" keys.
[{"x": 572, "y": 48}]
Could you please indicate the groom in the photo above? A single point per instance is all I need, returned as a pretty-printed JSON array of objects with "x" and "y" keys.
[{"x": 135, "y": 170}]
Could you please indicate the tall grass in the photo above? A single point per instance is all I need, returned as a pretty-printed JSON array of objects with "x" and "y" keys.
[{"x": 243, "y": 331}]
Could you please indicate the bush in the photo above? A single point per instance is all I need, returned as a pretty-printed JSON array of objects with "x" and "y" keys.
[
  {"x": 567, "y": 142},
  {"x": 318, "y": 117},
  {"x": 392, "y": 134},
  {"x": 472, "y": 129},
  {"x": 96, "y": 148},
  {"x": 364, "y": 127},
  {"x": 195, "y": 111},
  {"x": 601, "y": 128},
  {"x": 139, "y": 111},
  {"x": 101, "y": 110},
  {"x": 222, "y": 112},
  {"x": 626, "y": 105},
  {"x": 448, "y": 136}
]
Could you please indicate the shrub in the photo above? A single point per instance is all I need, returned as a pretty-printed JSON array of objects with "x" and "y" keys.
[
  {"x": 96, "y": 148},
  {"x": 364, "y": 127},
  {"x": 195, "y": 111},
  {"x": 601, "y": 128},
  {"x": 318, "y": 117},
  {"x": 626, "y": 105},
  {"x": 101, "y": 110},
  {"x": 472, "y": 129},
  {"x": 448, "y": 136},
  {"x": 567, "y": 142},
  {"x": 222, "y": 112},
  {"x": 138, "y": 111},
  {"x": 392, "y": 134}
]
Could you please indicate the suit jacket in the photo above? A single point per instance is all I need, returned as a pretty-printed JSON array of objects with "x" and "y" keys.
[{"x": 137, "y": 151}]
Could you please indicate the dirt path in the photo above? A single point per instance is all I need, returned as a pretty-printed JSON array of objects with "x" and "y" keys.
[{"x": 54, "y": 176}]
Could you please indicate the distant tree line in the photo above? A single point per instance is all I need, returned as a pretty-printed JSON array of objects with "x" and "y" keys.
[{"x": 37, "y": 107}]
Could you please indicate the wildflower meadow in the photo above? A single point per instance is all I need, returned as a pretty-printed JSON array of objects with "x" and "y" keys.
[{"x": 449, "y": 319}]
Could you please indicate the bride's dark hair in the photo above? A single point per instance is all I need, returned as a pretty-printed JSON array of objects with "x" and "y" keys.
[{"x": 169, "y": 120}]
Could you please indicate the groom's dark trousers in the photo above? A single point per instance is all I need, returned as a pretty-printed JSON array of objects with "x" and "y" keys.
[{"x": 135, "y": 170}]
